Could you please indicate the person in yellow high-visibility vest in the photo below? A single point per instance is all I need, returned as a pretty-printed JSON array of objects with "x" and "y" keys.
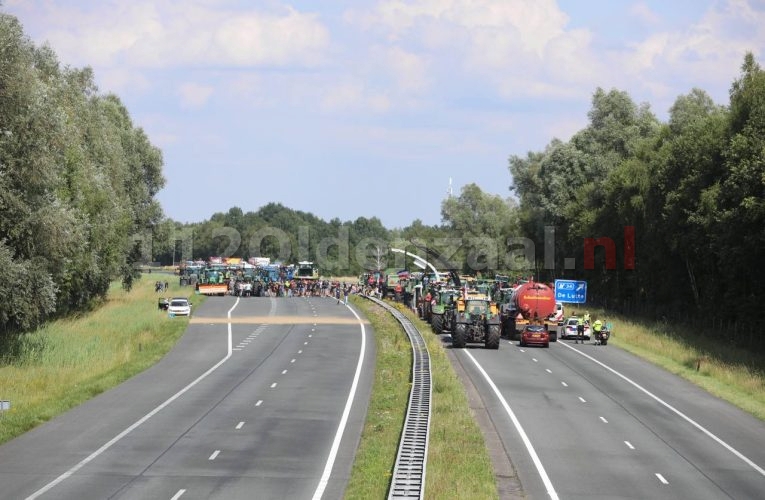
[{"x": 596, "y": 328}]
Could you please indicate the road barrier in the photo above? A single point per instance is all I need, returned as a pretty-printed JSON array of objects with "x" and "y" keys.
[{"x": 408, "y": 480}]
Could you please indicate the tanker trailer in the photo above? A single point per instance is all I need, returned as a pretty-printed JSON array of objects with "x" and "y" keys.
[{"x": 530, "y": 302}]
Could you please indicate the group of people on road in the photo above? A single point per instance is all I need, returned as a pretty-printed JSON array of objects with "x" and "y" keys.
[{"x": 583, "y": 321}]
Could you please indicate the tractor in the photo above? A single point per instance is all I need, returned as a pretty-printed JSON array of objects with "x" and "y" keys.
[
  {"x": 444, "y": 312},
  {"x": 477, "y": 322}
]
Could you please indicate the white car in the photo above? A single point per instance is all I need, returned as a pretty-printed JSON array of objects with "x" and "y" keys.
[
  {"x": 569, "y": 330},
  {"x": 179, "y": 306}
]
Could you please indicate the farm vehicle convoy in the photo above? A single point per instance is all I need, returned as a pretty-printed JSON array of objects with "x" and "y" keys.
[
  {"x": 473, "y": 310},
  {"x": 255, "y": 277}
]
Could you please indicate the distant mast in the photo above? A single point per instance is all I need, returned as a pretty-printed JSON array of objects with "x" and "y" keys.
[{"x": 450, "y": 192}]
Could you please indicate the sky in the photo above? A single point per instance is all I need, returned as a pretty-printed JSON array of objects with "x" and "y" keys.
[{"x": 362, "y": 108}]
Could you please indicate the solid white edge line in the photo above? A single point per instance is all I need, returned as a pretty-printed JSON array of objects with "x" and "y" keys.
[
  {"x": 526, "y": 441},
  {"x": 346, "y": 412},
  {"x": 143, "y": 419},
  {"x": 673, "y": 409}
]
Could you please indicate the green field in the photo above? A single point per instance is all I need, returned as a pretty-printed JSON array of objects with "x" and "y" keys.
[{"x": 59, "y": 366}]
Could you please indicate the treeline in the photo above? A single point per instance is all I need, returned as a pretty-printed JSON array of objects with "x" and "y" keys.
[
  {"x": 475, "y": 225},
  {"x": 77, "y": 178},
  {"x": 275, "y": 231},
  {"x": 693, "y": 189}
]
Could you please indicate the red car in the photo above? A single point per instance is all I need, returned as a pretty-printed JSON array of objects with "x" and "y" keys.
[{"x": 535, "y": 335}]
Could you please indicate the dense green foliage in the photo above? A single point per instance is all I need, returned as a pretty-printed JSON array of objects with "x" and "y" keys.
[
  {"x": 692, "y": 188},
  {"x": 477, "y": 221},
  {"x": 278, "y": 232},
  {"x": 76, "y": 180}
]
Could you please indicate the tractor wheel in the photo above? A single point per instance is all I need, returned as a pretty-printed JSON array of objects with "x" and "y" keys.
[
  {"x": 458, "y": 335},
  {"x": 438, "y": 323},
  {"x": 492, "y": 337}
]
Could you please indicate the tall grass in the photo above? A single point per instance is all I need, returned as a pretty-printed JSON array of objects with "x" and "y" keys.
[
  {"x": 712, "y": 362},
  {"x": 48, "y": 371},
  {"x": 458, "y": 464}
]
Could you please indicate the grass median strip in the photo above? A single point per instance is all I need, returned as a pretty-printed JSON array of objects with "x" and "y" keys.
[
  {"x": 57, "y": 367},
  {"x": 458, "y": 463}
]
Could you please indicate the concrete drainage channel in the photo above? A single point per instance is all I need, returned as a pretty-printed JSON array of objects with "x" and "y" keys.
[{"x": 408, "y": 479}]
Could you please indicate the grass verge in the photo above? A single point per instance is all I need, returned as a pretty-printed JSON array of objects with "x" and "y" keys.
[
  {"x": 458, "y": 464},
  {"x": 57, "y": 367},
  {"x": 714, "y": 364}
]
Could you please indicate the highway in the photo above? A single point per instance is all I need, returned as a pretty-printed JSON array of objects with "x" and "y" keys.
[
  {"x": 268, "y": 404},
  {"x": 586, "y": 421}
]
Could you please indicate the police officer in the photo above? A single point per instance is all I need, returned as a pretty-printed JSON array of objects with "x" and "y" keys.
[{"x": 596, "y": 328}]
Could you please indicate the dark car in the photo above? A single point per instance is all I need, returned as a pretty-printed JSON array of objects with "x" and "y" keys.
[{"x": 535, "y": 335}]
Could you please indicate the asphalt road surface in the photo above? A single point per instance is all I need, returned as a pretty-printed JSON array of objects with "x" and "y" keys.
[
  {"x": 269, "y": 404},
  {"x": 586, "y": 421}
]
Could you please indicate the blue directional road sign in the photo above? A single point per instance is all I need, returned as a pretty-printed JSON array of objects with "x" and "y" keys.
[{"x": 571, "y": 291}]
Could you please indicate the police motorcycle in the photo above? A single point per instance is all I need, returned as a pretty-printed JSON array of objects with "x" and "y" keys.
[{"x": 602, "y": 336}]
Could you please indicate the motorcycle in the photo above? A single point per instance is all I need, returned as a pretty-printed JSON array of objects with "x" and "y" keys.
[{"x": 601, "y": 337}]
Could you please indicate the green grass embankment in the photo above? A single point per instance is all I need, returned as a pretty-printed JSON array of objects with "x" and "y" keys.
[
  {"x": 68, "y": 361},
  {"x": 714, "y": 363},
  {"x": 458, "y": 464}
]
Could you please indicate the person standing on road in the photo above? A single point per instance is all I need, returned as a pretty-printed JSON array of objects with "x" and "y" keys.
[
  {"x": 346, "y": 291},
  {"x": 337, "y": 294},
  {"x": 580, "y": 330}
]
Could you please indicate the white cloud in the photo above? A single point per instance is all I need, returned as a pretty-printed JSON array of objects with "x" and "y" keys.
[
  {"x": 707, "y": 53},
  {"x": 535, "y": 21},
  {"x": 409, "y": 70},
  {"x": 522, "y": 47},
  {"x": 146, "y": 34},
  {"x": 194, "y": 95},
  {"x": 642, "y": 12}
]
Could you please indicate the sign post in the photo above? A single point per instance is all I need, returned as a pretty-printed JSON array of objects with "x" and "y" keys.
[{"x": 571, "y": 291}]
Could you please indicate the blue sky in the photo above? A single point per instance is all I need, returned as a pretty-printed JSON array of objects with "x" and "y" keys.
[{"x": 368, "y": 108}]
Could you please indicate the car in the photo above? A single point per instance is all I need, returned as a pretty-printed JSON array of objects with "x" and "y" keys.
[
  {"x": 179, "y": 306},
  {"x": 536, "y": 335},
  {"x": 568, "y": 330}
]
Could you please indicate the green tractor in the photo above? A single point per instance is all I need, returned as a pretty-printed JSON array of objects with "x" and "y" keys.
[
  {"x": 444, "y": 312},
  {"x": 477, "y": 323}
]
